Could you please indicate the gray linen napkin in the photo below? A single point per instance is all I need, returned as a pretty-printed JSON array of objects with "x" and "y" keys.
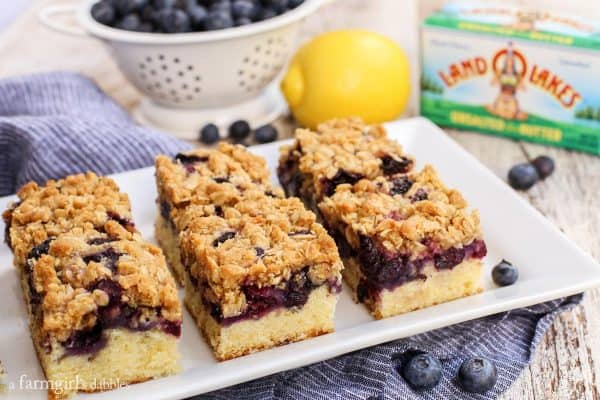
[{"x": 55, "y": 124}]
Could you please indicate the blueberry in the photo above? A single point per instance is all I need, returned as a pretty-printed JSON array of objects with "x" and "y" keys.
[
  {"x": 218, "y": 19},
  {"x": 239, "y": 130},
  {"x": 266, "y": 13},
  {"x": 197, "y": 15},
  {"x": 294, "y": 3},
  {"x": 125, "y": 7},
  {"x": 422, "y": 371},
  {"x": 209, "y": 134},
  {"x": 40, "y": 249},
  {"x": 242, "y": 21},
  {"x": 146, "y": 27},
  {"x": 221, "y": 5},
  {"x": 477, "y": 375},
  {"x": 243, "y": 9},
  {"x": 391, "y": 166},
  {"x": 544, "y": 166},
  {"x": 505, "y": 274},
  {"x": 522, "y": 176},
  {"x": 265, "y": 134},
  {"x": 400, "y": 185},
  {"x": 279, "y": 6},
  {"x": 162, "y": 4},
  {"x": 223, "y": 238},
  {"x": 341, "y": 177},
  {"x": 420, "y": 195},
  {"x": 173, "y": 20},
  {"x": 131, "y": 22},
  {"x": 104, "y": 13}
]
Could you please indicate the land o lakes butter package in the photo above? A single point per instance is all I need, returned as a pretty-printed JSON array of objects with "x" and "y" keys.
[{"x": 498, "y": 69}]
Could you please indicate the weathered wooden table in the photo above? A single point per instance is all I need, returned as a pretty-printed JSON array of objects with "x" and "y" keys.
[{"x": 567, "y": 362}]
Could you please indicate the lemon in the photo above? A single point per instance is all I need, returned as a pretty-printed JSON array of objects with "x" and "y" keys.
[{"x": 347, "y": 73}]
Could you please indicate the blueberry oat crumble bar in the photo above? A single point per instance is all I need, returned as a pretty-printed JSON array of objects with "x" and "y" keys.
[
  {"x": 263, "y": 274},
  {"x": 103, "y": 307},
  {"x": 84, "y": 202},
  {"x": 340, "y": 151},
  {"x": 258, "y": 270},
  {"x": 207, "y": 178},
  {"x": 406, "y": 240}
]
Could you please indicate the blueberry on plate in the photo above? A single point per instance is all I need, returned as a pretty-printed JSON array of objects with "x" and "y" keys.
[
  {"x": 544, "y": 166},
  {"x": 209, "y": 134},
  {"x": 218, "y": 19},
  {"x": 505, "y": 274},
  {"x": 423, "y": 371},
  {"x": 130, "y": 22},
  {"x": 477, "y": 375},
  {"x": 173, "y": 20},
  {"x": 239, "y": 130},
  {"x": 522, "y": 176},
  {"x": 104, "y": 13},
  {"x": 265, "y": 134}
]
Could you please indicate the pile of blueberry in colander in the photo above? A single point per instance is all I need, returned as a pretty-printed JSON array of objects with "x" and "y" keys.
[{"x": 179, "y": 16}]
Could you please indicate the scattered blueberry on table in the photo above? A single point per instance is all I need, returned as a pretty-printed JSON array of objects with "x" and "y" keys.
[
  {"x": 179, "y": 16},
  {"x": 239, "y": 130},
  {"x": 209, "y": 134},
  {"x": 522, "y": 176},
  {"x": 544, "y": 166},
  {"x": 477, "y": 375},
  {"x": 505, "y": 274},
  {"x": 265, "y": 134},
  {"x": 422, "y": 372}
]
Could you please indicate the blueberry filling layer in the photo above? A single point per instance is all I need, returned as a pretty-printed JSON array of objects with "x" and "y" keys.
[
  {"x": 165, "y": 212},
  {"x": 341, "y": 177},
  {"x": 290, "y": 178},
  {"x": 124, "y": 222},
  {"x": 262, "y": 300},
  {"x": 115, "y": 314},
  {"x": 391, "y": 166},
  {"x": 40, "y": 249},
  {"x": 385, "y": 269},
  {"x": 190, "y": 158}
]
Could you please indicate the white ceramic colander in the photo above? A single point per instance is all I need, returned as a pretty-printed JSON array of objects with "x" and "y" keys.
[{"x": 190, "y": 79}]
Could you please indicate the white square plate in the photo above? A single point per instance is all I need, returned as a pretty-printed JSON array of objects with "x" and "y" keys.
[{"x": 550, "y": 266}]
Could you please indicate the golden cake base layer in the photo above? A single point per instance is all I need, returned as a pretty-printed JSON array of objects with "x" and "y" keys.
[
  {"x": 128, "y": 357},
  {"x": 168, "y": 240},
  {"x": 278, "y": 327},
  {"x": 440, "y": 286}
]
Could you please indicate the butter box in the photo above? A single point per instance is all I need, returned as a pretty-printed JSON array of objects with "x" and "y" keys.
[{"x": 522, "y": 74}]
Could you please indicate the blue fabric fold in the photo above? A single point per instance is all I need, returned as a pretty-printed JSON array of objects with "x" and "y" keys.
[{"x": 56, "y": 124}]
